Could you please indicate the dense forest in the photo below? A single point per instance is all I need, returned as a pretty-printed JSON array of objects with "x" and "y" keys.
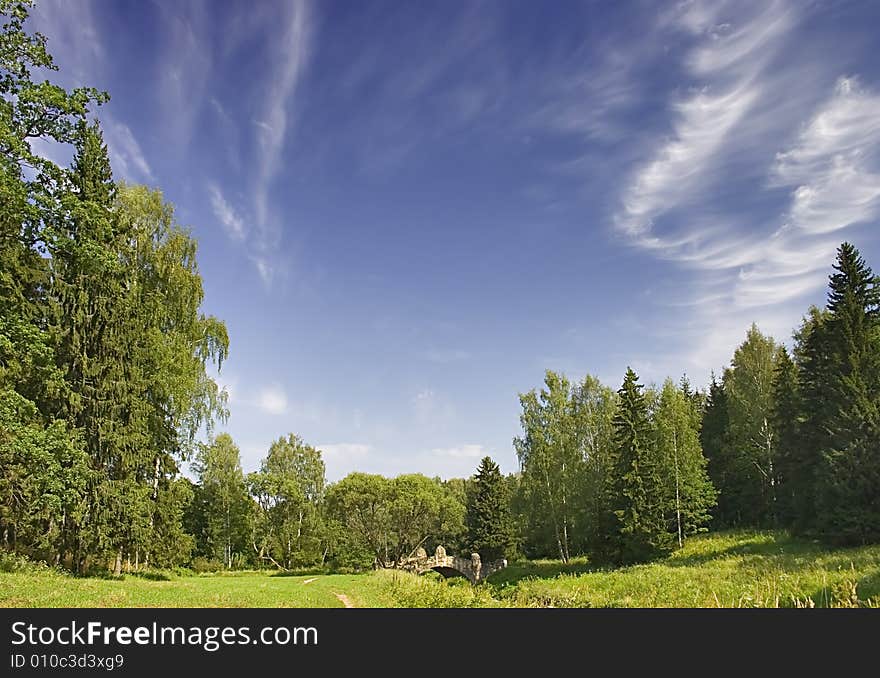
[{"x": 105, "y": 395}]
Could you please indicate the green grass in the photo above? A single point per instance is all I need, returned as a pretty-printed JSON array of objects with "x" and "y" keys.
[{"x": 731, "y": 569}]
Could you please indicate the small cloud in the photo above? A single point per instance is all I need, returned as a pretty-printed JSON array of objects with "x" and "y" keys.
[
  {"x": 226, "y": 214},
  {"x": 461, "y": 452},
  {"x": 265, "y": 269},
  {"x": 272, "y": 400}
]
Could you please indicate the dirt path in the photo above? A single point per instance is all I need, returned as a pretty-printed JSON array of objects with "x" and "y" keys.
[{"x": 344, "y": 599}]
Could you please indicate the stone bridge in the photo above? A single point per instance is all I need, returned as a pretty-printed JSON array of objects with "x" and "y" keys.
[{"x": 472, "y": 569}]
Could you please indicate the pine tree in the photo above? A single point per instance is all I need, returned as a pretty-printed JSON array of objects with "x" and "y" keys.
[
  {"x": 716, "y": 445},
  {"x": 813, "y": 359},
  {"x": 849, "y": 472},
  {"x": 786, "y": 432},
  {"x": 488, "y": 520},
  {"x": 637, "y": 502}
]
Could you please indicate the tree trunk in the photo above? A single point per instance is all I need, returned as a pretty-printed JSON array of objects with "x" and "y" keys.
[{"x": 677, "y": 485}]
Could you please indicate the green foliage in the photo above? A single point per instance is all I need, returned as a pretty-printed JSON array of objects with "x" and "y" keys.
[
  {"x": 689, "y": 494},
  {"x": 552, "y": 463},
  {"x": 751, "y": 488},
  {"x": 220, "y": 509},
  {"x": 392, "y": 518},
  {"x": 848, "y": 474},
  {"x": 637, "y": 524},
  {"x": 103, "y": 349},
  {"x": 488, "y": 521},
  {"x": 289, "y": 490},
  {"x": 787, "y": 431}
]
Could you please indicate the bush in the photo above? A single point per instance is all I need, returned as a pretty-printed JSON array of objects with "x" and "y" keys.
[
  {"x": 14, "y": 562},
  {"x": 200, "y": 565}
]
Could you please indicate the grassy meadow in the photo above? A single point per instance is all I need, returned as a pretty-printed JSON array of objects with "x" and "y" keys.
[{"x": 729, "y": 569}]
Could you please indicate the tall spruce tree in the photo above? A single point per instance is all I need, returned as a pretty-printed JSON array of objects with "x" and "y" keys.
[
  {"x": 715, "y": 441},
  {"x": 813, "y": 359},
  {"x": 848, "y": 510},
  {"x": 488, "y": 521},
  {"x": 43, "y": 467},
  {"x": 639, "y": 531},
  {"x": 786, "y": 421}
]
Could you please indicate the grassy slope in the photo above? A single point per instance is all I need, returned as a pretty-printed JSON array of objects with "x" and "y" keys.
[
  {"x": 731, "y": 569},
  {"x": 727, "y": 569}
]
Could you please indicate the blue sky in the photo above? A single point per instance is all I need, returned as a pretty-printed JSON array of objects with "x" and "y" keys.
[{"x": 406, "y": 212}]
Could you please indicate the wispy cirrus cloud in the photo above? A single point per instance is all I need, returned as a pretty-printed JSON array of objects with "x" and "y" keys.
[
  {"x": 290, "y": 53},
  {"x": 126, "y": 154},
  {"x": 833, "y": 163},
  {"x": 287, "y": 31},
  {"x": 231, "y": 221},
  {"x": 753, "y": 121},
  {"x": 730, "y": 61}
]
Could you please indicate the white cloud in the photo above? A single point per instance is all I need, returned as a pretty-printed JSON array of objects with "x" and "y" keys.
[
  {"x": 126, "y": 154},
  {"x": 226, "y": 214},
  {"x": 73, "y": 39},
  {"x": 293, "y": 49},
  {"x": 185, "y": 70},
  {"x": 732, "y": 61},
  {"x": 469, "y": 451},
  {"x": 832, "y": 163},
  {"x": 265, "y": 269},
  {"x": 272, "y": 400}
]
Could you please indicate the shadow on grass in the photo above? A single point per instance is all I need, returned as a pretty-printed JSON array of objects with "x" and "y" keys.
[
  {"x": 869, "y": 585},
  {"x": 151, "y": 576},
  {"x": 781, "y": 545},
  {"x": 538, "y": 569}
]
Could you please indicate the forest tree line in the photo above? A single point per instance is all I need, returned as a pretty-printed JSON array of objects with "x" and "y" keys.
[{"x": 104, "y": 394}]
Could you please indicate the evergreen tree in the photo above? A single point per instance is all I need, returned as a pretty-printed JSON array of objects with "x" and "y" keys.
[
  {"x": 639, "y": 530},
  {"x": 488, "y": 521},
  {"x": 813, "y": 359},
  {"x": 849, "y": 471},
  {"x": 787, "y": 436},
  {"x": 43, "y": 467},
  {"x": 716, "y": 445}
]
